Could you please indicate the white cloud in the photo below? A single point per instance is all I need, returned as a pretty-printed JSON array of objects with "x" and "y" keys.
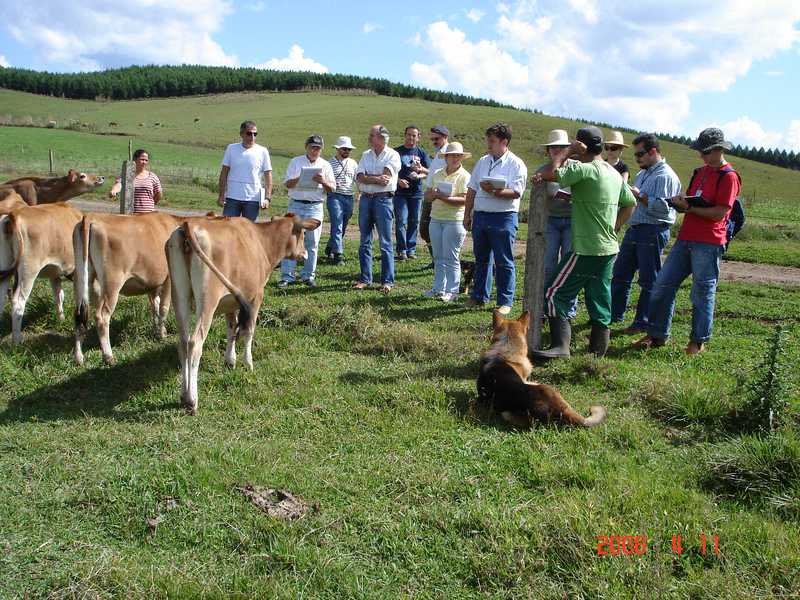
[
  {"x": 4, "y": 61},
  {"x": 475, "y": 15},
  {"x": 370, "y": 27},
  {"x": 296, "y": 61},
  {"x": 428, "y": 76},
  {"x": 636, "y": 64},
  {"x": 748, "y": 132},
  {"x": 93, "y": 35}
]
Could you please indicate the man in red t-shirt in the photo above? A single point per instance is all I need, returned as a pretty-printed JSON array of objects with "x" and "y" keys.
[{"x": 701, "y": 241}]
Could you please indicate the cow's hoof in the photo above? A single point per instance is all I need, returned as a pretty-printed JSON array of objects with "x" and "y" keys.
[
  {"x": 110, "y": 360},
  {"x": 79, "y": 360},
  {"x": 230, "y": 365}
]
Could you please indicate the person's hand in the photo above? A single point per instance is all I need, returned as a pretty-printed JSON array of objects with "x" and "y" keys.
[
  {"x": 402, "y": 183},
  {"x": 440, "y": 195},
  {"x": 382, "y": 179},
  {"x": 292, "y": 182},
  {"x": 577, "y": 147},
  {"x": 679, "y": 203},
  {"x": 487, "y": 187},
  {"x": 537, "y": 178},
  {"x": 265, "y": 203},
  {"x": 635, "y": 191},
  {"x": 468, "y": 221},
  {"x": 318, "y": 178},
  {"x": 221, "y": 200}
]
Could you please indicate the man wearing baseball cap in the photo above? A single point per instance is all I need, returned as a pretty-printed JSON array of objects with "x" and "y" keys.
[
  {"x": 700, "y": 244},
  {"x": 305, "y": 200},
  {"x": 601, "y": 203}
]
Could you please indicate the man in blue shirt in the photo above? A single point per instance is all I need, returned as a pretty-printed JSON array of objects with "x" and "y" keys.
[
  {"x": 408, "y": 197},
  {"x": 648, "y": 233}
]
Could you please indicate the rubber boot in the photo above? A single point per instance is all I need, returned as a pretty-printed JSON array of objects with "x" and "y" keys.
[
  {"x": 598, "y": 340},
  {"x": 560, "y": 336}
]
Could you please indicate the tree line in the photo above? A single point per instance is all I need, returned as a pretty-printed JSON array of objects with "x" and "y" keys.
[{"x": 189, "y": 80}]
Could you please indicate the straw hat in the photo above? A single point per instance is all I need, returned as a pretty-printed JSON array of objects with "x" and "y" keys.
[
  {"x": 343, "y": 142},
  {"x": 615, "y": 139},
  {"x": 455, "y": 148},
  {"x": 557, "y": 137}
]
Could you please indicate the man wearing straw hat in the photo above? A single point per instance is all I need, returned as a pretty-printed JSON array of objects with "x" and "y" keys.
[
  {"x": 341, "y": 200},
  {"x": 305, "y": 200},
  {"x": 601, "y": 203},
  {"x": 655, "y": 185}
]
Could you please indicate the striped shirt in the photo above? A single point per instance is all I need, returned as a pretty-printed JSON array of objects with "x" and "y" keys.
[
  {"x": 345, "y": 174},
  {"x": 144, "y": 191}
]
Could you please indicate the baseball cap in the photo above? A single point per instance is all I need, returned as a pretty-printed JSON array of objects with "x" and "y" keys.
[
  {"x": 441, "y": 130},
  {"x": 315, "y": 140},
  {"x": 592, "y": 137}
]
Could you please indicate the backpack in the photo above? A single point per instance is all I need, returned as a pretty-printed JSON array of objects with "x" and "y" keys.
[{"x": 736, "y": 217}]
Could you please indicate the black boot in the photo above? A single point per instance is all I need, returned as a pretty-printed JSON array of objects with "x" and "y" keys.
[
  {"x": 560, "y": 336},
  {"x": 598, "y": 340}
]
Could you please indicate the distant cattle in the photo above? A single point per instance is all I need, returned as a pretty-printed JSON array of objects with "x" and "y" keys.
[
  {"x": 120, "y": 255},
  {"x": 51, "y": 124},
  {"x": 46, "y": 190},
  {"x": 222, "y": 266},
  {"x": 156, "y": 124},
  {"x": 35, "y": 241},
  {"x": 113, "y": 124},
  {"x": 197, "y": 119}
]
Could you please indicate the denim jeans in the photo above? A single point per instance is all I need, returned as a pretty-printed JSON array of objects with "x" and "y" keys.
[
  {"x": 558, "y": 237},
  {"x": 340, "y": 209},
  {"x": 701, "y": 261},
  {"x": 406, "y": 223},
  {"x": 493, "y": 235},
  {"x": 310, "y": 239},
  {"x": 240, "y": 208},
  {"x": 376, "y": 212},
  {"x": 446, "y": 240},
  {"x": 640, "y": 250}
]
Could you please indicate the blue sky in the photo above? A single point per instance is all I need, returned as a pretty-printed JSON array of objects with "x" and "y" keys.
[{"x": 677, "y": 66}]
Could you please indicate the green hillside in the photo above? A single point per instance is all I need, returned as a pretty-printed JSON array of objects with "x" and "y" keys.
[{"x": 187, "y": 150}]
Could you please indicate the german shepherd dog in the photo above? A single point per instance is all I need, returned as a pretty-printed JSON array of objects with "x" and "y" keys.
[{"x": 503, "y": 381}]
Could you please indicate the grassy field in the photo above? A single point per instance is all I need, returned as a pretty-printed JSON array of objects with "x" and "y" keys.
[{"x": 364, "y": 405}]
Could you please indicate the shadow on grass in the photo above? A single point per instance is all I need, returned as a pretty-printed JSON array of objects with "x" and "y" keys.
[
  {"x": 466, "y": 407},
  {"x": 97, "y": 391},
  {"x": 36, "y": 310}
]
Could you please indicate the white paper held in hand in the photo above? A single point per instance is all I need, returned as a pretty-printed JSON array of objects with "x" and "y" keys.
[
  {"x": 497, "y": 183},
  {"x": 445, "y": 187},
  {"x": 307, "y": 175}
]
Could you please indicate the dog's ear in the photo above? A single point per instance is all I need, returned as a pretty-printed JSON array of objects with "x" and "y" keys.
[
  {"x": 525, "y": 319},
  {"x": 497, "y": 320}
]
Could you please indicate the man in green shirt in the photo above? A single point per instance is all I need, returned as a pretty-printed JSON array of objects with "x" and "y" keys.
[{"x": 601, "y": 203}]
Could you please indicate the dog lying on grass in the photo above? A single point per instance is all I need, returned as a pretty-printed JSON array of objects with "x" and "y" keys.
[{"x": 503, "y": 381}]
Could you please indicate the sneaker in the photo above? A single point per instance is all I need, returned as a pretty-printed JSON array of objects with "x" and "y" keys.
[
  {"x": 432, "y": 294},
  {"x": 503, "y": 310},
  {"x": 472, "y": 303},
  {"x": 448, "y": 297},
  {"x": 386, "y": 288},
  {"x": 411, "y": 256},
  {"x": 310, "y": 282},
  {"x": 338, "y": 260},
  {"x": 283, "y": 283}
]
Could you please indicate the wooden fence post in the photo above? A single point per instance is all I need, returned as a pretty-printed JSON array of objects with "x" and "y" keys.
[
  {"x": 126, "y": 193},
  {"x": 50, "y": 152},
  {"x": 534, "y": 263},
  {"x": 130, "y": 149}
]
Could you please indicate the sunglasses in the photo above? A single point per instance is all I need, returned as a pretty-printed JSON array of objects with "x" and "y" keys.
[
  {"x": 613, "y": 148},
  {"x": 640, "y": 153},
  {"x": 253, "y": 133},
  {"x": 344, "y": 149}
]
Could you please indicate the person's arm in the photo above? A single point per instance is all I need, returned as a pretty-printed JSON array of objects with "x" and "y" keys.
[
  {"x": 623, "y": 214},
  {"x": 457, "y": 201},
  {"x": 658, "y": 205},
  {"x": 156, "y": 189},
  {"x": 548, "y": 173},
  {"x": 469, "y": 202},
  {"x": 625, "y": 177},
  {"x": 327, "y": 180},
  {"x": 267, "y": 189},
  {"x": 223, "y": 184}
]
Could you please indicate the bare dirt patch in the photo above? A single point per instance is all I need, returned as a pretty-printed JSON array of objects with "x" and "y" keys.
[{"x": 279, "y": 504}]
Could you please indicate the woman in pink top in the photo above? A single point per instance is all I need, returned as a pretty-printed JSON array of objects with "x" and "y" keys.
[{"x": 146, "y": 185}]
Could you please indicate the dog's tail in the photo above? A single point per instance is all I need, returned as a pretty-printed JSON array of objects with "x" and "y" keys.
[{"x": 597, "y": 415}]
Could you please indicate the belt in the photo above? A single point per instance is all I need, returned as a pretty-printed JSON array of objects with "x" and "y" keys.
[
  {"x": 377, "y": 194},
  {"x": 307, "y": 201}
]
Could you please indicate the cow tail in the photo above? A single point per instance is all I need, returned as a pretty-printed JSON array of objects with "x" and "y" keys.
[
  {"x": 245, "y": 308},
  {"x": 82, "y": 276},
  {"x": 12, "y": 227}
]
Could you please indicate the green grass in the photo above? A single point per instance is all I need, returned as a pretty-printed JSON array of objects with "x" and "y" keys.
[{"x": 365, "y": 404}]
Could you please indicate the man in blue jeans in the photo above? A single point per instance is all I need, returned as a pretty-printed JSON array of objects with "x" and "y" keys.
[
  {"x": 240, "y": 190},
  {"x": 701, "y": 242},
  {"x": 494, "y": 191},
  {"x": 377, "y": 180},
  {"x": 340, "y": 201},
  {"x": 655, "y": 186}
]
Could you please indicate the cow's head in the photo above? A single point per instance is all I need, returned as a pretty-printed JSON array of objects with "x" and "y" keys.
[
  {"x": 295, "y": 247},
  {"x": 83, "y": 182}
]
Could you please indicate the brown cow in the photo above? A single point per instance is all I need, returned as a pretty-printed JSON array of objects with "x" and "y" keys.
[
  {"x": 223, "y": 265},
  {"x": 36, "y": 241},
  {"x": 41, "y": 190},
  {"x": 9, "y": 200},
  {"x": 120, "y": 254}
]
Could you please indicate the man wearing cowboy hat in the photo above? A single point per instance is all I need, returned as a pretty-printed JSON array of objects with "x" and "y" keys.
[
  {"x": 648, "y": 232},
  {"x": 341, "y": 200},
  {"x": 306, "y": 203},
  {"x": 700, "y": 244},
  {"x": 601, "y": 203},
  {"x": 558, "y": 234}
]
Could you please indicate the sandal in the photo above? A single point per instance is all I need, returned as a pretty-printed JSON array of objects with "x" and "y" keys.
[
  {"x": 695, "y": 348},
  {"x": 360, "y": 285},
  {"x": 648, "y": 342}
]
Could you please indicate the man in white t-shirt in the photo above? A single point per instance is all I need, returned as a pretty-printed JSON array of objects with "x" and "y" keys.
[
  {"x": 240, "y": 189},
  {"x": 307, "y": 191}
]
